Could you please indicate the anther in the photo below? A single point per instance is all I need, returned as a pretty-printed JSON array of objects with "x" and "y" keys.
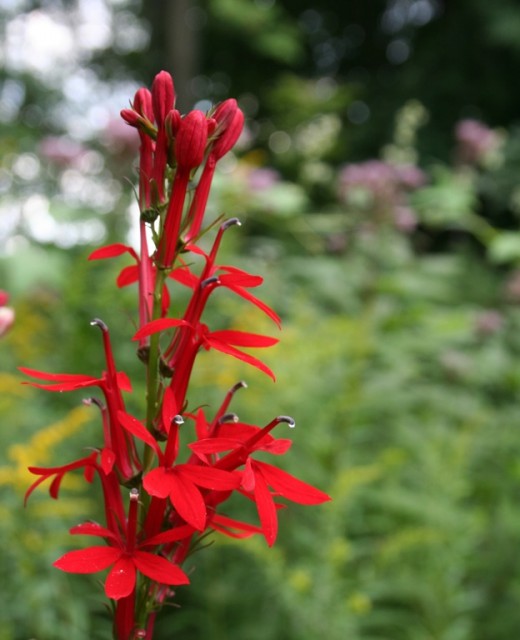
[
  {"x": 90, "y": 401},
  {"x": 237, "y": 386},
  {"x": 134, "y": 495},
  {"x": 228, "y": 417},
  {"x": 178, "y": 419},
  {"x": 208, "y": 281},
  {"x": 230, "y": 223},
  {"x": 99, "y": 323},
  {"x": 290, "y": 421}
]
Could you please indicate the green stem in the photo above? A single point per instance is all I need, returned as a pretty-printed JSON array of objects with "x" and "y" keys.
[{"x": 152, "y": 390}]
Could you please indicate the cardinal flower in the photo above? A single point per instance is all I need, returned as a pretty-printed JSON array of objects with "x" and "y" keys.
[
  {"x": 181, "y": 483},
  {"x": 124, "y": 555}
]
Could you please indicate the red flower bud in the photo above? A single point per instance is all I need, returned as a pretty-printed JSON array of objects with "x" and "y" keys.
[
  {"x": 163, "y": 96},
  {"x": 143, "y": 103},
  {"x": 131, "y": 117},
  {"x": 230, "y": 122},
  {"x": 191, "y": 139}
]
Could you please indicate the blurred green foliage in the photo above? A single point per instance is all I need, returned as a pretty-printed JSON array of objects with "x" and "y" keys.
[{"x": 400, "y": 297}]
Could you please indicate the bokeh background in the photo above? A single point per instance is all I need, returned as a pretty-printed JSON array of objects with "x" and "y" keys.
[{"x": 378, "y": 181}]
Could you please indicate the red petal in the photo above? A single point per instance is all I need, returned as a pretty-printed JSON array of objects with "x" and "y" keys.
[
  {"x": 266, "y": 510},
  {"x": 111, "y": 251},
  {"x": 258, "y": 303},
  {"x": 158, "y": 482},
  {"x": 137, "y": 429},
  {"x": 288, "y": 486},
  {"x": 188, "y": 501},
  {"x": 108, "y": 459},
  {"x": 214, "y": 445},
  {"x": 208, "y": 477},
  {"x": 92, "y": 529},
  {"x": 127, "y": 276},
  {"x": 239, "y": 278},
  {"x": 123, "y": 381},
  {"x": 120, "y": 581},
  {"x": 172, "y": 535},
  {"x": 161, "y": 324},
  {"x": 159, "y": 569},
  {"x": 226, "y": 525},
  {"x": 184, "y": 276},
  {"x": 243, "y": 338},
  {"x": 88, "y": 560},
  {"x": 240, "y": 355}
]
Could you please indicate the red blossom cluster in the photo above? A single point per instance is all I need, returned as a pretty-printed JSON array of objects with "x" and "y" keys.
[{"x": 158, "y": 501}]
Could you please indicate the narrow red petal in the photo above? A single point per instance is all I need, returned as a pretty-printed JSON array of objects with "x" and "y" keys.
[
  {"x": 172, "y": 535},
  {"x": 266, "y": 510},
  {"x": 243, "y": 338},
  {"x": 92, "y": 529},
  {"x": 288, "y": 486},
  {"x": 159, "y": 569},
  {"x": 137, "y": 429},
  {"x": 120, "y": 581},
  {"x": 88, "y": 560},
  {"x": 240, "y": 355},
  {"x": 214, "y": 445},
  {"x": 161, "y": 324},
  {"x": 111, "y": 251},
  {"x": 188, "y": 501},
  {"x": 127, "y": 276},
  {"x": 208, "y": 477}
]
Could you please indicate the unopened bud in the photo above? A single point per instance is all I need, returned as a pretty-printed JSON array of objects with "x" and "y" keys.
[
  {"x": 143, "y": 103},
  {"x": 163, "y": 96},
  {"x": 191, "y": 139}
]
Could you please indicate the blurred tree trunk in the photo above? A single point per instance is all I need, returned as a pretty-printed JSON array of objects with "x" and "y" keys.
[{"x": 175, "y": 45}]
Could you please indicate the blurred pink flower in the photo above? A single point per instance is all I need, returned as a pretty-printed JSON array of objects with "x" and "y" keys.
[
  {"x": 61, "y": 150},
  {"x": 7, "y": 314},
  {"x": 475, "y": 141}
]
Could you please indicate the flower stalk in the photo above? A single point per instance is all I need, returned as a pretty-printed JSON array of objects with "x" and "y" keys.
[{"x": 159, "y": 504}]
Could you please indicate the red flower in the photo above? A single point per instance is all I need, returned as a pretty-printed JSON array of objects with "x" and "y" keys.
[
  {"x": 181, "y": 483},
  {"x": 125, "y": 556}
]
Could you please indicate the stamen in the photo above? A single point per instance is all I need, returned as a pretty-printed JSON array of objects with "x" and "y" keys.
[
  {"x": 290, "y": 421},
  {"x": 237, "y": 386},
  {"x": 99, "y": 323},
  {"x": 178, "y": 419},
  {"x": 230, "y": 223},
  {"x": 212, "y": 280},
  {"x": 228, "y": 417},
  {"x": 90, "y": 401}
]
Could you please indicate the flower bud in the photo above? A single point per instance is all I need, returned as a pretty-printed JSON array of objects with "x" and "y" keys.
[
  {"x": 229, "y": 135},
  {"x": 191, "y": 139},
  {"x": 131, "y": 117},
  {"x": 143, "y": 103},
  {"x": 163, "y": 96}
]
